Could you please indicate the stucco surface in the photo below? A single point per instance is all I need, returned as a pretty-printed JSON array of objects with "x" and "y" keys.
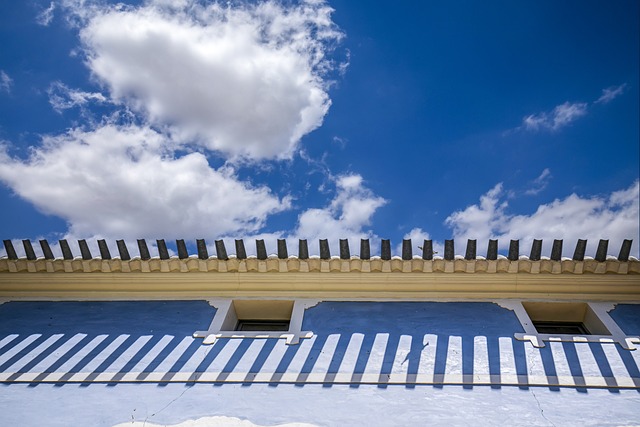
[
  {"x": 108, "y": 363},
  {"x": 627, "y": 316},
  {"x": 338, "y": 405},
  {"x": 353, "y": 342}
]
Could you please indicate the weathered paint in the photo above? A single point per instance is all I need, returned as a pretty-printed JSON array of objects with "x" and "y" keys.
[
  {"x": 627, "y": 316},
  {"x": 337, "y": 405},
  {"x": 366, "y": 358},
  {"x": 217, "y": 421}
]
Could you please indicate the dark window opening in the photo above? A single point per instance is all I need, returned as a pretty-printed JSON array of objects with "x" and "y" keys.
[
  {"x": 569, "y": 328},
  {"x": 262, "y": 325}
]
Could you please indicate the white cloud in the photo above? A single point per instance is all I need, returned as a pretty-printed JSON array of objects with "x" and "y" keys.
[
  {"x": 247, "y": 80},
  {"x": 418, "y": 236},
  {"x": 61, "y": 97},
  {"x": 346, "y": 216},
  {"x": 614, "y": 217},
  {"x": 5, "y": 82},
  {"x": 45, "y": 17},
  {"x": 561, "y": 116},
  {"x": 540, "y": 183},
  {"x": 127, "y": 182},
  {"x": 610, "y": 93},
  {"x": 479, "y": 221},
  {"x": 564, "y": 114}
]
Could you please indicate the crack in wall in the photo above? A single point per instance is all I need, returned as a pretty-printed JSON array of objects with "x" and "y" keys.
[
  {"x": 531, "y": 366},
  {"x": 187, "y": 386},
  {"x": 540, "y": 408}
]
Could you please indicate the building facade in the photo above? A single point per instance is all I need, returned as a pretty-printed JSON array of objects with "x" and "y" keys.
[{"x": 199, "y": 340}]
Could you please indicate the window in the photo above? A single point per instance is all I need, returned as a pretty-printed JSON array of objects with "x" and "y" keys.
[
  {"x": 249, "y": 315},
  {"x": 262, "y": 325},
  {"x": 568, "y": 321},
  {"x": 249, "y": 318},
  {"x": 573, "y": 328},
  {"x": 572, "y": 318}
]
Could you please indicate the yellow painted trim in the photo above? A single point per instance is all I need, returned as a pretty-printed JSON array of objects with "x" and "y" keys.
[{"x": 592, "y": 287}]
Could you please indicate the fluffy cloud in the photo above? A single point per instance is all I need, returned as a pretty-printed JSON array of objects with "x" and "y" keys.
[
  {"x": 559, "y": 117},
  {"x": 127, "y": 181},
  {"x": 247, "y": 80},
  {"x": 346, "y": 216},
  {"x": 614, "y": 217}
]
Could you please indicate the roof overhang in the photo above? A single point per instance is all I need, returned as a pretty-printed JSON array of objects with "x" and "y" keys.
[{"x": 335, "y": 278}]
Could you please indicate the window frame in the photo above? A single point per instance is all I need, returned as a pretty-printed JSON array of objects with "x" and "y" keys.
[
  {"x": 225, "y": 321},
  {"x": 600, "y": 311},
  {"x": 580, "y": 327},
  {"x": 271, "y": 325}
]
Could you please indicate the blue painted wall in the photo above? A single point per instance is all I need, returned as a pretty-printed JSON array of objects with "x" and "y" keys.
[
  {"x": 627, "y": 316},
  {"x": 113, "y": 319},
  {"x": 27, "y": 327},
  {"x": 414, "y": 319}
]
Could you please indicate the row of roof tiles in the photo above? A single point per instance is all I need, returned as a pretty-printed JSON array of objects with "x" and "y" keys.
[
  {"x": 325, "y": 254},
  {"x": 315, "y": 264}
]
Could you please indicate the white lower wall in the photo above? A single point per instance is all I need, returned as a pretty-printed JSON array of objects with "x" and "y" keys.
[{"x": 338, "y": 405}]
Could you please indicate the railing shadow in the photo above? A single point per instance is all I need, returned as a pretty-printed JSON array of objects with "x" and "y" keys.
[{"x": 354, "y": 343}]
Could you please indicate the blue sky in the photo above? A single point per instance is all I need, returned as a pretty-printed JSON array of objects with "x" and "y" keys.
[{"x": 435, "y": 119}]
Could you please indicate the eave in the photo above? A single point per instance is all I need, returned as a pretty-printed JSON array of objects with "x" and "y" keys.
[
  {"x": 315, "y": 278},
  {"x": 603, "y": 278}
]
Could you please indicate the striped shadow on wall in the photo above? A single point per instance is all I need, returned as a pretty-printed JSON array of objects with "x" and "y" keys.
[{"x": 383, "y": 343}]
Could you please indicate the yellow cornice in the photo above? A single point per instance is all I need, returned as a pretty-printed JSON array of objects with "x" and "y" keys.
[{"x": 333, "y": 285}]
